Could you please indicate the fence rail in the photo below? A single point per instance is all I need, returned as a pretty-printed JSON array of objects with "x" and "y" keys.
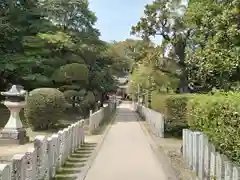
[
  {"x": 154, "y": 119},
  {"x": 42, "y": 161},
  {"x": 48, "y": 154},
  {"x": 208, "y": 164},
  {"x": 99, "y": 116}
]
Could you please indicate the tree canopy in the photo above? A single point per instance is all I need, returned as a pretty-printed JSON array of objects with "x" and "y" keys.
[
  {"x": 200, "y": 44},
  {"x": 54, "y": 44}
]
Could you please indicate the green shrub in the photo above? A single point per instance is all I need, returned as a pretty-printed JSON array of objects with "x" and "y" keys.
[
  {"x": 82, "y": 92},
  {"x": 45, "y": 106},
  {"x": 158, "y": 102},
  {"x": 174, "y": 108},
  {"x": 69, "y": 94},
  {"x": 175, "y": 112},
  {"x": 90, "y": 98},
  {"x": 218, "y": 117},
  {"x": 87, "y": 104},
  {"x": 73, "y": 72}
]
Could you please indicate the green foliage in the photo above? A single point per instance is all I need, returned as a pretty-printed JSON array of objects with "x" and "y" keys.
[
  {"x": 214, "y": 61},
  {"x": 54, "y": 44},
  {"x": 218, "y": 117},
  {"x": 70, "y": 95},
  {"x": 202, "y": 39},
  {"x": 87, "y": 103},
  {"x": 148, "y": 77},
  {"x": 174, "y": 108},
  {"x": 164, "y": 18},
  {"x": 121, "y": 62},
  {"x": 45, "y": 107},
  {"x": 71, "y": 72},
  {"x": 90, "y": 98},
  {"x": 215, "y": 115},
  {"x": 82, "y": 92}
]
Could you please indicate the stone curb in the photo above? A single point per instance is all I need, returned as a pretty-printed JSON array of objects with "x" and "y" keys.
[
  {"x": 85, "y": 169},
  {"x": 160, "y": 155}
]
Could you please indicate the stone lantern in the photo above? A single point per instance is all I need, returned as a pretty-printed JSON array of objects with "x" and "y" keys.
[{"x": 13, "y": 132}]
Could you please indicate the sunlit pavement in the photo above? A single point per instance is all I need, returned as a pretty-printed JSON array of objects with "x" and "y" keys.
[{"x": 126, "y": 153}]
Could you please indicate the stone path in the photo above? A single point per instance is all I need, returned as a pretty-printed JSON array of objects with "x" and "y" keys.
[{"x": 126, "y": 153}]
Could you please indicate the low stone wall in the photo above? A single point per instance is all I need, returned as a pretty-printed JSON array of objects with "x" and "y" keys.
[
  {"x": 154, "y": 119},
  {"x": 48, "y": 154},
  {"x": 97, "y": 117},
  {"x": 201, "y": 156}
]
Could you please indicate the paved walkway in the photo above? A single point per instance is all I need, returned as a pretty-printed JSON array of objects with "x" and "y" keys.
[{"x": 126, "y": 153}]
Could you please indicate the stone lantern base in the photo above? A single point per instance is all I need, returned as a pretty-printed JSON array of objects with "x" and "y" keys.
[{"x": 13, "y": 136}]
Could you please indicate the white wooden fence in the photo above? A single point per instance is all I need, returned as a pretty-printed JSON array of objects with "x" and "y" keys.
[
  {"x": 208, "y": 164},
  {"x": 42, "y": 161},
  {"x": 154, "y": 119},
  {"x": 97, "y": 117},
  {"x": 48, "y": 154}
]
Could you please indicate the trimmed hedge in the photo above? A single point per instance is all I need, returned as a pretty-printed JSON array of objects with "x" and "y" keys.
[
  {"x": 69, "y": 94},
  {"x": 45, "y": 107},
  {"x": 218, "y": 116},
  {"x": 174, "y": 108}
]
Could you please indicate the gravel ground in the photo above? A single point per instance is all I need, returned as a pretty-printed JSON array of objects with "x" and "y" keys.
[{"x": 171, "y": 148}]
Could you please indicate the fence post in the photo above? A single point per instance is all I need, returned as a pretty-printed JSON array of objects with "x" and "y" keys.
[
  {"x": 40, "y": 145},
  {"x": 202, "y": 143},
  {"x": 161, "y": 126},
  {"x": 228, "y": 168},
  {"x": 196, "y": 151},
  {"x": 190, "y": 149},
  {"x": 18, "y": 171},
  {"x": 207, "y": 158},
  {"x": 236, "y": 173},
  {"x": 82, "y": 132},
  {"x": 185, "y": 144},
  {"x": 212, "y": 162},
  {"x": 31, "y": 164},
  {"x": 61, "y": 148},
  {"x": 5, "y": 172},
  {"x": 219, "y": 166}
]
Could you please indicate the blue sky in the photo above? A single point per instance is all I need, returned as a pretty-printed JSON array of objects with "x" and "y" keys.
[{"x": 115, "y": 17}]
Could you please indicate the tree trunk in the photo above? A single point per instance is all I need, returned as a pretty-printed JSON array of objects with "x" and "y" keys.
[
  {"x": 180, "y": 52},
  {"x": 183, "y": 84},
  {"x": 102, "y": 99}
]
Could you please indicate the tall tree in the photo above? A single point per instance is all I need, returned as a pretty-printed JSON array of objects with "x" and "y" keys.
[
  {"x": 165, "y": 18},
  {"x": 213, "y": 48},
  {"x": 42, "y": 41}
]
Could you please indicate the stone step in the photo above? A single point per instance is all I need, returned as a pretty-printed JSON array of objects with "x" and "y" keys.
[
  {"x": 74, "y": 164},
  {"x": 65, "y": 177},
  {"x": 77, "y": 160},
  {"x": 64, "y": 171},
  {"x": 70, "y": 168}
]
